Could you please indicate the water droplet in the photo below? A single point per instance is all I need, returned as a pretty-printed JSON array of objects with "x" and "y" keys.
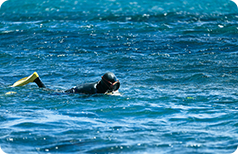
[{"x": 220, "y": 26}]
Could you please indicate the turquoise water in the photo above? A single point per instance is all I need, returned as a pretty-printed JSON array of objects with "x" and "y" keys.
[{"x": 176, "y": 61}]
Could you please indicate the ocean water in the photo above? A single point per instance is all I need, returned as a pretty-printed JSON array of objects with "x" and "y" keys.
[{"x": 177, "y": 61}]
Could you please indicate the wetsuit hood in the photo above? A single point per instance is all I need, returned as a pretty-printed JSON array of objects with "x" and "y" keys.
[{"x": 108, "y": 83}]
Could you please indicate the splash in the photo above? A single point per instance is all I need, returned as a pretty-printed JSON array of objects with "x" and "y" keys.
[{"x": 1, "y": 2}]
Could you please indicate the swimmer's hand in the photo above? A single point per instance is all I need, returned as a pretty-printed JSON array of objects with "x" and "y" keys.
[{"x": 114, "y": 93}]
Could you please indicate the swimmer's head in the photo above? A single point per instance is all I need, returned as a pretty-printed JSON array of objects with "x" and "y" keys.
[{"x": 110, "y": 81}]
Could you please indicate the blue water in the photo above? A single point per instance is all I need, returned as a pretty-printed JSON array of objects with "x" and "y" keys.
[{"x": 177, "y": 61}]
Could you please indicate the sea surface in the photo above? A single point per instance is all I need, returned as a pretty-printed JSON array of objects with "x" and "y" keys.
[{"x": 177, "y": 61}]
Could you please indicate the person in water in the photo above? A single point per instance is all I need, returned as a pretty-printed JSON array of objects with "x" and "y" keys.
[{"x": 108, "y": 83}]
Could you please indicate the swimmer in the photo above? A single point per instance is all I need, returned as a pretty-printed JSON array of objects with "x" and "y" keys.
[{"x": 108, "y": 84}]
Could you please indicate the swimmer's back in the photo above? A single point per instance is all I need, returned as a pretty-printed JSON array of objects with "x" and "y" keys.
[{"x": 88, "y": 88}]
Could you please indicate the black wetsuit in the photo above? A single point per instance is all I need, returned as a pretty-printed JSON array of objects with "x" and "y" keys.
[
  {"x": 109, "y": 83},
  {"x": 89, "y": 88}
]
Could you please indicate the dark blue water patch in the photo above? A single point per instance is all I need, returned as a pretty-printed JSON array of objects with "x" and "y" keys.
[
  {"x": 153, "y": 41},
  {"x": 61, "y": 9},
  {"x": 178, "y": 46}
]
